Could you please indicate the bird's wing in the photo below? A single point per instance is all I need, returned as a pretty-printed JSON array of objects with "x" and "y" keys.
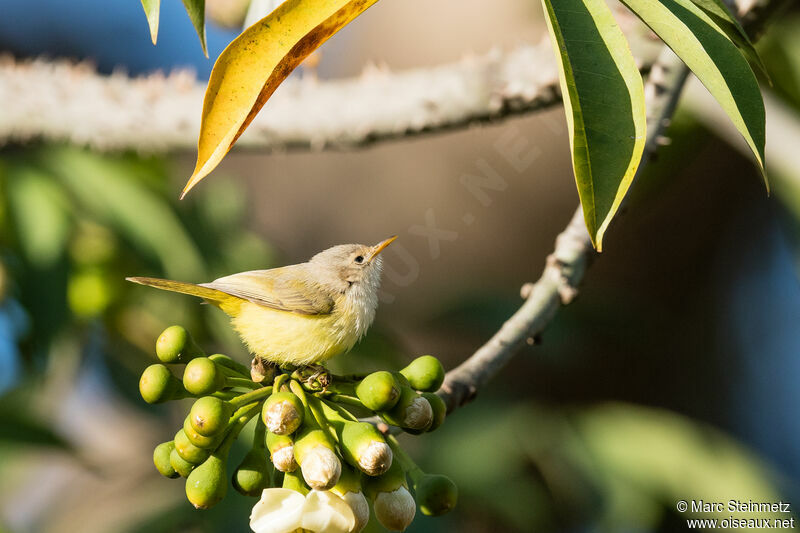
[{"x": 286, "y": 289}]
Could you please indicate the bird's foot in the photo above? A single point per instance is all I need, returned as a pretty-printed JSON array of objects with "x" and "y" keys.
[{"x": 262, "y": 370}]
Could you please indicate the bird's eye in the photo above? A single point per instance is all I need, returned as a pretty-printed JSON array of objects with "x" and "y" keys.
[{"x": 359, "y": 259}]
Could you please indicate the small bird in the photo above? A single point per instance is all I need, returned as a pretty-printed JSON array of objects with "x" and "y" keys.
[{"x": 300, "y": 314}]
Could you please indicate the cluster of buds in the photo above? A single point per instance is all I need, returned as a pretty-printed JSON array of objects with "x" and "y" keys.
[{"x": 318, "y": 457}]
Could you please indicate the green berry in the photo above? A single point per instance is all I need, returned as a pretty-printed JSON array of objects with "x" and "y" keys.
[
  {"x": 202, "y": 376},
  {"x": 378, "y": 391},
  {"x": 181, "y": 465},
  {"x": 227, "y": 362},
  {"x": 436, "y": 494},
  {"x": 253, "y": 473},
  {"x": 161, "y": 459},
  {"x": 158, "y": 385},
  {"x": 208, "y": 483},
  {"x": 188, "y": 451},
  {"x": 424, "y": 373},
  {"x": 175, "y": 345},
  {"x": 209, "y": 415},
  {"x": 439, "y": 409},
  {"x": 201, "y": 441}
]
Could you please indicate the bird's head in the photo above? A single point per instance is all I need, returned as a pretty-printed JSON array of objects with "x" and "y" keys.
[{"x": 353, "y": 264}]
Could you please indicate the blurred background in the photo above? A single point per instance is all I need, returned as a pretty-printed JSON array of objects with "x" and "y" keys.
[{"x": 673, "y": 375}]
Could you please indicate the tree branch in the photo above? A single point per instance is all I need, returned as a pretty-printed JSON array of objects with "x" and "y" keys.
[
  {"x": 573, "y": 252},
  {"x": 67, "y": 102},
  {"x": 567, "y": 263}
]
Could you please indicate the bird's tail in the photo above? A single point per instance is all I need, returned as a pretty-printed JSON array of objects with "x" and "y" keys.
[{"x": 212, "y": 295}]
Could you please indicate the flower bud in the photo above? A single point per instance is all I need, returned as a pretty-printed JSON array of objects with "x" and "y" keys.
[
  {"x": 201, "y": 441},
  {"x": 181, "y": 465},
  {"x": 253, "y": 474},
  {"x": 438, "y": 407},
  {"x": 424, "y": 373},
  {"x": 378, "y": 391},
  {"x": 208, "y": 483},
  {"x": 158, "y": 385},
  {"x": 321, "y": 468},
  {"x": 411, "y": 412},
  {"x": 395, "y": 510},
  {"x": 188, "y": 451},
  {"x": 161, "y": 459},
  {"x": 364, "y": 447},
  {"x": 202, "y": 377},
  {"x": 436, "y": 494},
  {"x": 319, "y": 464},
  {"x": 175, "y": 345},
  {"x": 281, "y": 449},
  {"x": 210, "y": 415},
  {"x": 282, "y": 413}
]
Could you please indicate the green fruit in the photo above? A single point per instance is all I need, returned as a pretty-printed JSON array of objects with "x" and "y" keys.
[
  {"x": 158, "y": 385},
  {"x": 201, "y": 441},
  {"x": 439, "y": 409},
  {"x": 412, "y": 411},
  {"x": 282, "y": 413},
  {"x": 424, "y": 373},
  {"x": 161, "y": 459},
  {"x": 436, "y": 494},
  {"x": 378, "y": 391},
  {"x": 188, "y": 451},
  {"x": 175, "y": 345},
  {"x": 181, "y": 465},
  {"x": 210, "y": 415},
  {"x": 253, "y": 473},
  {"x": 202, "y": 377},
  {"x": 208, "y": 483}
]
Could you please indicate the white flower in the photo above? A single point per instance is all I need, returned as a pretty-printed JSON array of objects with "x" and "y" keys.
[{"x": 286, "y": 510}]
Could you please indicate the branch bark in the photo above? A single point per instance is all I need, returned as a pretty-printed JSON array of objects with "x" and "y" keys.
[
  {"x": 573, "y": 251},
  {"x": 67, "y": 102},
  {"x": 565, "y": 266}
]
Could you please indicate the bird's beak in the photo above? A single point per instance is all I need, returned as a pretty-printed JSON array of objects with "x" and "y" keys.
[{"x": 378, "y": 248}]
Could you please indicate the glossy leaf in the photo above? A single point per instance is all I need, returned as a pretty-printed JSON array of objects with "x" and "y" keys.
[
  {"x": 604, "y": 102},
  {"x": 197, "y": 14},
  {"x": 250, "y": 69},
  {"x": 152, "y": 9},
  {"x": 722, "y": 17},
  {"x": 714, "y": 59}
]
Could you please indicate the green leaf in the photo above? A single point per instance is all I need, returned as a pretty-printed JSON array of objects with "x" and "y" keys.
[
  {"x": 197, "y": 14},
  {"x": 114, "y": 193},
  {"x": 151, "y": 10},
  {"x": 40, "y": 211},
  {"x": 604, "y": 102},
  {"x": 719, "y": 13},
  {"x": 715, "y": 60}
]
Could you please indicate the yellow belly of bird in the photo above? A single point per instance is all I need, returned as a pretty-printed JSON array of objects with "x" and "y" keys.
[{"x": 284, "y": 337}]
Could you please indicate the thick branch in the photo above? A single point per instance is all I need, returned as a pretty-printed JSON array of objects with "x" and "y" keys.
[{"x": 64, "y": 102}]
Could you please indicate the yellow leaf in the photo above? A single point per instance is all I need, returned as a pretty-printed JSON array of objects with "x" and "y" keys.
[{"x": 250, "y": 69}]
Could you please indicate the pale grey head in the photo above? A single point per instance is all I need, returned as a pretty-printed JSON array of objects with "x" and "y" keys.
[{"x": 351, "y": 266}]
